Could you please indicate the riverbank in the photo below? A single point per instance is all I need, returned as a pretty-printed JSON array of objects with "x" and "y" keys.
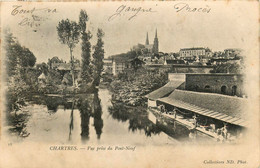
[{"x": 16, "y": 121}]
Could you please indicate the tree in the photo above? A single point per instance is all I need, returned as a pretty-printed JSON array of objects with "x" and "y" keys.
[
  {"x": 85, "y": 47},
  {"x": 11, "y": 52},
  {"x": 228, "y": 68},
  {"x": 68, "y": 32},
  {"x": 27, "y": 58},
  {"x": 42, "y": 68},
  {"x": 98, "y": 57},
  {"x": 16, "y": 85}
]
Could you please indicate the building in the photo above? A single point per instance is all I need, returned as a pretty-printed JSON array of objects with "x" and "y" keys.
[
  {"x": 210, "y": 107},
  {"x": 205, "y": 110},
  {"x": 122, "y": 63},
  {"x": 119, "y": 65},
  {"x": 194, "y": 53},
  {"x": 108, "y": 66},
  {"x": 227, "y": 84},
  {"x": 147, "y": 48},
  {"x": 42, "y": 78},
  {"x": 156, "y": 44},
  {"x": 176, "y": 81}
]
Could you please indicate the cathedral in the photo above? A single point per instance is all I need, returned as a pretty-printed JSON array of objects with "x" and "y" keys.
[{"x": 148, "y": 48}]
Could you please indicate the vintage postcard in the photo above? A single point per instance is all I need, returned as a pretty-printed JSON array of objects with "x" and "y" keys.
[{"x": 171, "y": 84}]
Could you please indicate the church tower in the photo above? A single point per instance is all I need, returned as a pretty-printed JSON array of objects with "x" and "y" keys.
[
  {"x": 147, "y": 40},
  {"x": 156, "y": 44}
]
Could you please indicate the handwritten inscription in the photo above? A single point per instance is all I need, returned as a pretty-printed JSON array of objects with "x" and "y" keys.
[
  {"x": 34, "y": 21},
  {"x": 131, "y": 11},
  {"x": 187, "y": 8},
  {"x": 18, "y": 9},
  {"x": 32, "y": 16}
]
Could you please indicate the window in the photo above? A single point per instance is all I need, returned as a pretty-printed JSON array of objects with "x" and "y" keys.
[
  {"x": 223, "y": 89},
  {"x": 234, "y": 90}
]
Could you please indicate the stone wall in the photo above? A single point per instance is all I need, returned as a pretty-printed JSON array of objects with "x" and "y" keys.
[{"x": 229, "y": 84}]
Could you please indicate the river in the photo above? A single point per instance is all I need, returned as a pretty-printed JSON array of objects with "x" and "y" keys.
[{"x": 91, "y": 119}]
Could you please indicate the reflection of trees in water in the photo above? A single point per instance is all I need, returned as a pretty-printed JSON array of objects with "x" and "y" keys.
[
  {"x": 97, "y": 113},
  {"x": 85, "y": 111},
  {"x": 52, "y": 103},
  {"x": 118, "y": 112},
  {"x": 90, "y": 107},
  {"x": 71, "y": 126},
  {"x": 138, "y": 118}
]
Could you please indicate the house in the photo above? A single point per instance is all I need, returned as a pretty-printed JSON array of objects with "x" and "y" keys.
[
  {"x": 119, "y": 64},
  {"x": 42, "y": 78},
  {"x": 107, "y": 67},
  {"x": 122, "y": 63}
]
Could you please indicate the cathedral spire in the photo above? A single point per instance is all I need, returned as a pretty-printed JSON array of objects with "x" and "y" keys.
[
  {"x": 147, "y": 40},
  {"x": 156, "y": 44}
]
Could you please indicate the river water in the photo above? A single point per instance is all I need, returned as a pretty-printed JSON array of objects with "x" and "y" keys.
[{"x": 92, "y": 119}]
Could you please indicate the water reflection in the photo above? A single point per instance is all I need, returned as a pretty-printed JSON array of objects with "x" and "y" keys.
[
  {"x": 138, "y": 118},
  {"x": 88, "y": 110},
  {"x": 71, "y": 119},
  {"x": 88, "y": 118},
  {"x": 85, "y": 113},
  {"x": 97, "y": 112}
]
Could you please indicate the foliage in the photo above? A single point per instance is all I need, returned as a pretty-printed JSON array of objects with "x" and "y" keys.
[
  {"x": 128, "y": 55},
  {"x": 16, "y": 55},
  {"x": 54, "y": 60},
  {"x": 54, "y": 77},
  {"x": 20, "y": 77},
  {"x": 27, "y": 58},
  {"x": 68, "y": 32},
  {"x": 30, "y": 77},
  {"x": 228, "y": 68},
  {"x": 98, "y": 57},
  {"x": 67, "y": 79},
  {"x": 43, "y": 68},
  {"x": 10, "y": 52},
  {"x": 85, "y": 48}
]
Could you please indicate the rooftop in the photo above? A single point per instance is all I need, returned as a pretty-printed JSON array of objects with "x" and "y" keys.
[
  {"x": 197, "y": 48},
  {"x": 165, "y": 90},
  {"x": 226, "y": 108}
]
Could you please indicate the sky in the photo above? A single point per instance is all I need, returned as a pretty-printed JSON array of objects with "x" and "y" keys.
[{"x": 222, "y": 25}]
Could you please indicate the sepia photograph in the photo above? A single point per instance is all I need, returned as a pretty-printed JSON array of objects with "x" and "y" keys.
[{"x": 128, "y": 82}]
